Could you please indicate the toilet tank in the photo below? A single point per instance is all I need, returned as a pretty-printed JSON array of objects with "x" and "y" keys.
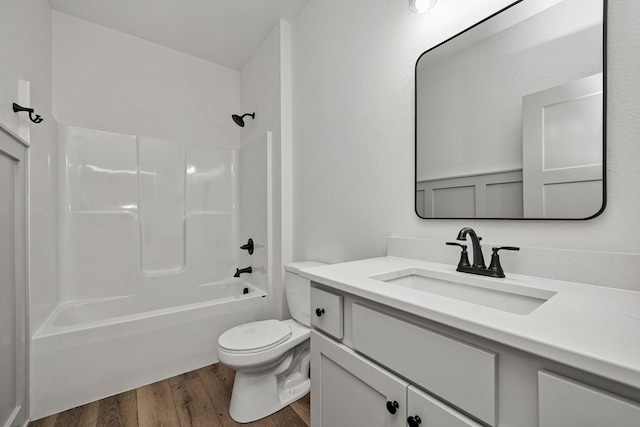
[{"x": 298, "y": 290}]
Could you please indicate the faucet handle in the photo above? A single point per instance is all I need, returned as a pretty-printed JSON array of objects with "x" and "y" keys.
[
  {"x": 464, "y": 255},
  {"x": 506, "y": 248},
  {"x": 248, "y": 247},
  {"x": 495, "y": 267}
]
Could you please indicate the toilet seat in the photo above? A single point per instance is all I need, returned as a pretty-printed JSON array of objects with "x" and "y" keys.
[{"x": 254, "y": 337}]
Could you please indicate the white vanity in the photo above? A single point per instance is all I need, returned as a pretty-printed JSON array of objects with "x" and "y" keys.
[{"x": 399, "y": 341}]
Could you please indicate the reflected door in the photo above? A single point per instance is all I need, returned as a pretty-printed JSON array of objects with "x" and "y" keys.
[
  {"x": 562, "y": 150},
  {"x": 13, "y": 343}
]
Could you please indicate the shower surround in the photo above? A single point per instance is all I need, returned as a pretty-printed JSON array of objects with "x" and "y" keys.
[{"x": 150, "y": 236}]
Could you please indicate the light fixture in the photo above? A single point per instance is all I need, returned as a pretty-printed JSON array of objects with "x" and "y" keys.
[{"x": 420, "y": 6}]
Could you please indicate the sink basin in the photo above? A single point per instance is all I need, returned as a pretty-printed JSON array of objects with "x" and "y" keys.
[{"x": 495, "y": 293}]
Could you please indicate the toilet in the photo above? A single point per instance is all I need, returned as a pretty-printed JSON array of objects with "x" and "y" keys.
[{"x": 271, "y": 357}]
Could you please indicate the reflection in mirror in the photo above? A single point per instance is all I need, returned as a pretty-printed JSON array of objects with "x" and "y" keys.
[{"x": 510, "y": 116}]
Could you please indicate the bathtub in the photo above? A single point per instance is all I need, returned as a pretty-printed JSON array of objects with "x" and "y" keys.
[{"x": 87, "y": 350}]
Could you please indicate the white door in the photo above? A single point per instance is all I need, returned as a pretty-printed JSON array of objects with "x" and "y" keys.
[
  {"x": 13, "y": 337},
  {"x": 562, "y": 150},
  {"x": 349, "y": 391}
]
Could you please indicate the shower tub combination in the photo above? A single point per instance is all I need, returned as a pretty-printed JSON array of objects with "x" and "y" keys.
[
  {"x": 152, "y": 233},
  {"x": 93, "y": 349}
]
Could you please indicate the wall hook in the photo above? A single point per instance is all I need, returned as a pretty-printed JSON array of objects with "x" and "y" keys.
[{"x": 37, "y": 119}]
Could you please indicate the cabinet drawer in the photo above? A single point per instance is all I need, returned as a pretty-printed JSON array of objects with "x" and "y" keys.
[
  {"x": 433, "y": 412},
  {"x": 568, "y": 403},
  {"x": 326, "y": 312},
  {"x": 459, "y": 373}
]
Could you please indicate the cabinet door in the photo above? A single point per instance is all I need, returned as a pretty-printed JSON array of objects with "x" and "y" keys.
[
  {"x": 430, "y": 412},
  {"x": 349, "y": 391},
  {"x": 564, "y": 402}
]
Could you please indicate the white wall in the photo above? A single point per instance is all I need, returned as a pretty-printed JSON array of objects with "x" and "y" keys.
[
  {"x": 25, "y": 46},
  {"x": 108, "y": 80},
  {"x": 353, "y": 109},
  {"x": 266, "y": 90},
  {"x": 25, "y": 49}
]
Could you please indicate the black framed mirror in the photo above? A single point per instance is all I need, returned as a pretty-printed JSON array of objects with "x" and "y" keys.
[{"x": 511, "y": 116}]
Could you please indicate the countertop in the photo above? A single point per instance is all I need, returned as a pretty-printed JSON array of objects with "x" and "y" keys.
[{"x": 588, "y": 327}]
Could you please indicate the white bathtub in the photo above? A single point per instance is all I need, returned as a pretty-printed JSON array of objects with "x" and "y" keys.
[{"x": 88, "y": 350}]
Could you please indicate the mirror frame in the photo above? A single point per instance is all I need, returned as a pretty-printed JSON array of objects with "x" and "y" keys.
[{"x": 604, "y": 123}]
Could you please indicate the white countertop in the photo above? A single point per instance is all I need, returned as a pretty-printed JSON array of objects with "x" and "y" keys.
[{"x": 588, "y": 327}]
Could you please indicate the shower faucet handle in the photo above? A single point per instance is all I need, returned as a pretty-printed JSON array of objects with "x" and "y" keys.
[{"x": 248, "y": 247}]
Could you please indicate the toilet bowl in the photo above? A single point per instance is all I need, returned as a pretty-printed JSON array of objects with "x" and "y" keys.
[{"x": 270, "y": 357}]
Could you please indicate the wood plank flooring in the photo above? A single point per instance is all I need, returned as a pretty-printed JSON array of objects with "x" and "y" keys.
[{"x": 198, "y": 398}]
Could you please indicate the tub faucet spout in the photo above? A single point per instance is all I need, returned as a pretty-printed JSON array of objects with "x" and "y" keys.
[{"x": 239, "y": 271}]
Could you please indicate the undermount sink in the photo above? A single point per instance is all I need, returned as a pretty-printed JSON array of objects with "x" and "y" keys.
[{"x": 495, "y": 293}]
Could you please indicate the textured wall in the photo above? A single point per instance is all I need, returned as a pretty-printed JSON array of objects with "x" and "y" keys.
[
  {"x": 108, "y": 80},
  {"x": 353, "y": 109},
  {"x": 25, "y": 49}
]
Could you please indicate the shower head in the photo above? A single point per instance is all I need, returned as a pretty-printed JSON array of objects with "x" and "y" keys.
[{"x": 240, "y": 119}]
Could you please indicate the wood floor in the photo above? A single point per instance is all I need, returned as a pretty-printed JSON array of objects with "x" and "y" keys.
[{"x": 198, "y": 398}]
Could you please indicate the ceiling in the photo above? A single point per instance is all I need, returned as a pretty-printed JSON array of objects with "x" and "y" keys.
[{"x": 226, "y": 32}]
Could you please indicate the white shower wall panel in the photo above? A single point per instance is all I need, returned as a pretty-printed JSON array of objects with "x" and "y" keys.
[
  {"x": 102, "y": 171},
  {"x": 255, "y": 193},
  {"x": 103, "y": 250},
  {"x": 210, "y": 183},
  {"x": 161, "y": 189},
  {"x": 145, "y": 213}
]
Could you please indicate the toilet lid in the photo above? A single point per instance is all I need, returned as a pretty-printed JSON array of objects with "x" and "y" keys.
[{"x": 255, "y": 336}]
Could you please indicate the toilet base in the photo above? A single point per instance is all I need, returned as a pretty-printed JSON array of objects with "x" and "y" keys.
[{"x": 256, "y": 395}]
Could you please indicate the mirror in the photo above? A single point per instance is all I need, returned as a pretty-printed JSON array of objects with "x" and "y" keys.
[{"x": 510, "y": 116}]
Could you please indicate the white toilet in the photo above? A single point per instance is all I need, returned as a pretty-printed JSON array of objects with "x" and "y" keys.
[{"x": 271, "y": 357}]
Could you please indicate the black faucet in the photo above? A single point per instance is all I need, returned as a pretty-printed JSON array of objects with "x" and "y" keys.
[
  {"x": 478, "y": 259},
  {"x": 478, "y": 267},
  {"x": 239, "y": 271}
]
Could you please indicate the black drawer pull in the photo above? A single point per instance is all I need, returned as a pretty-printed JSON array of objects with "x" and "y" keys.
[
  {"x": 392, "y": 407},
  {"x": 319, "y": 312}
]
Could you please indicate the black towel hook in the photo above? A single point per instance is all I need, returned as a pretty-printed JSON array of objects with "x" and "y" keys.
[{"x": 37, "y": 119}]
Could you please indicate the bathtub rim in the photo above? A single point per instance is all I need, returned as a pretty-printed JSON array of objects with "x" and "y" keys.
[{"x": 48, "y": 329}]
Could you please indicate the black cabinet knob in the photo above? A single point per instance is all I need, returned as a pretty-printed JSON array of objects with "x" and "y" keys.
[
  {"x": 319, "y": 312},
  {"x": 414, "y": 421},
  {"x": 392, "y": 407}
]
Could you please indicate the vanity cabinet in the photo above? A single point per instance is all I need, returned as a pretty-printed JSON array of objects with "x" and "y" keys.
[{"x": 376, "y": 365}]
